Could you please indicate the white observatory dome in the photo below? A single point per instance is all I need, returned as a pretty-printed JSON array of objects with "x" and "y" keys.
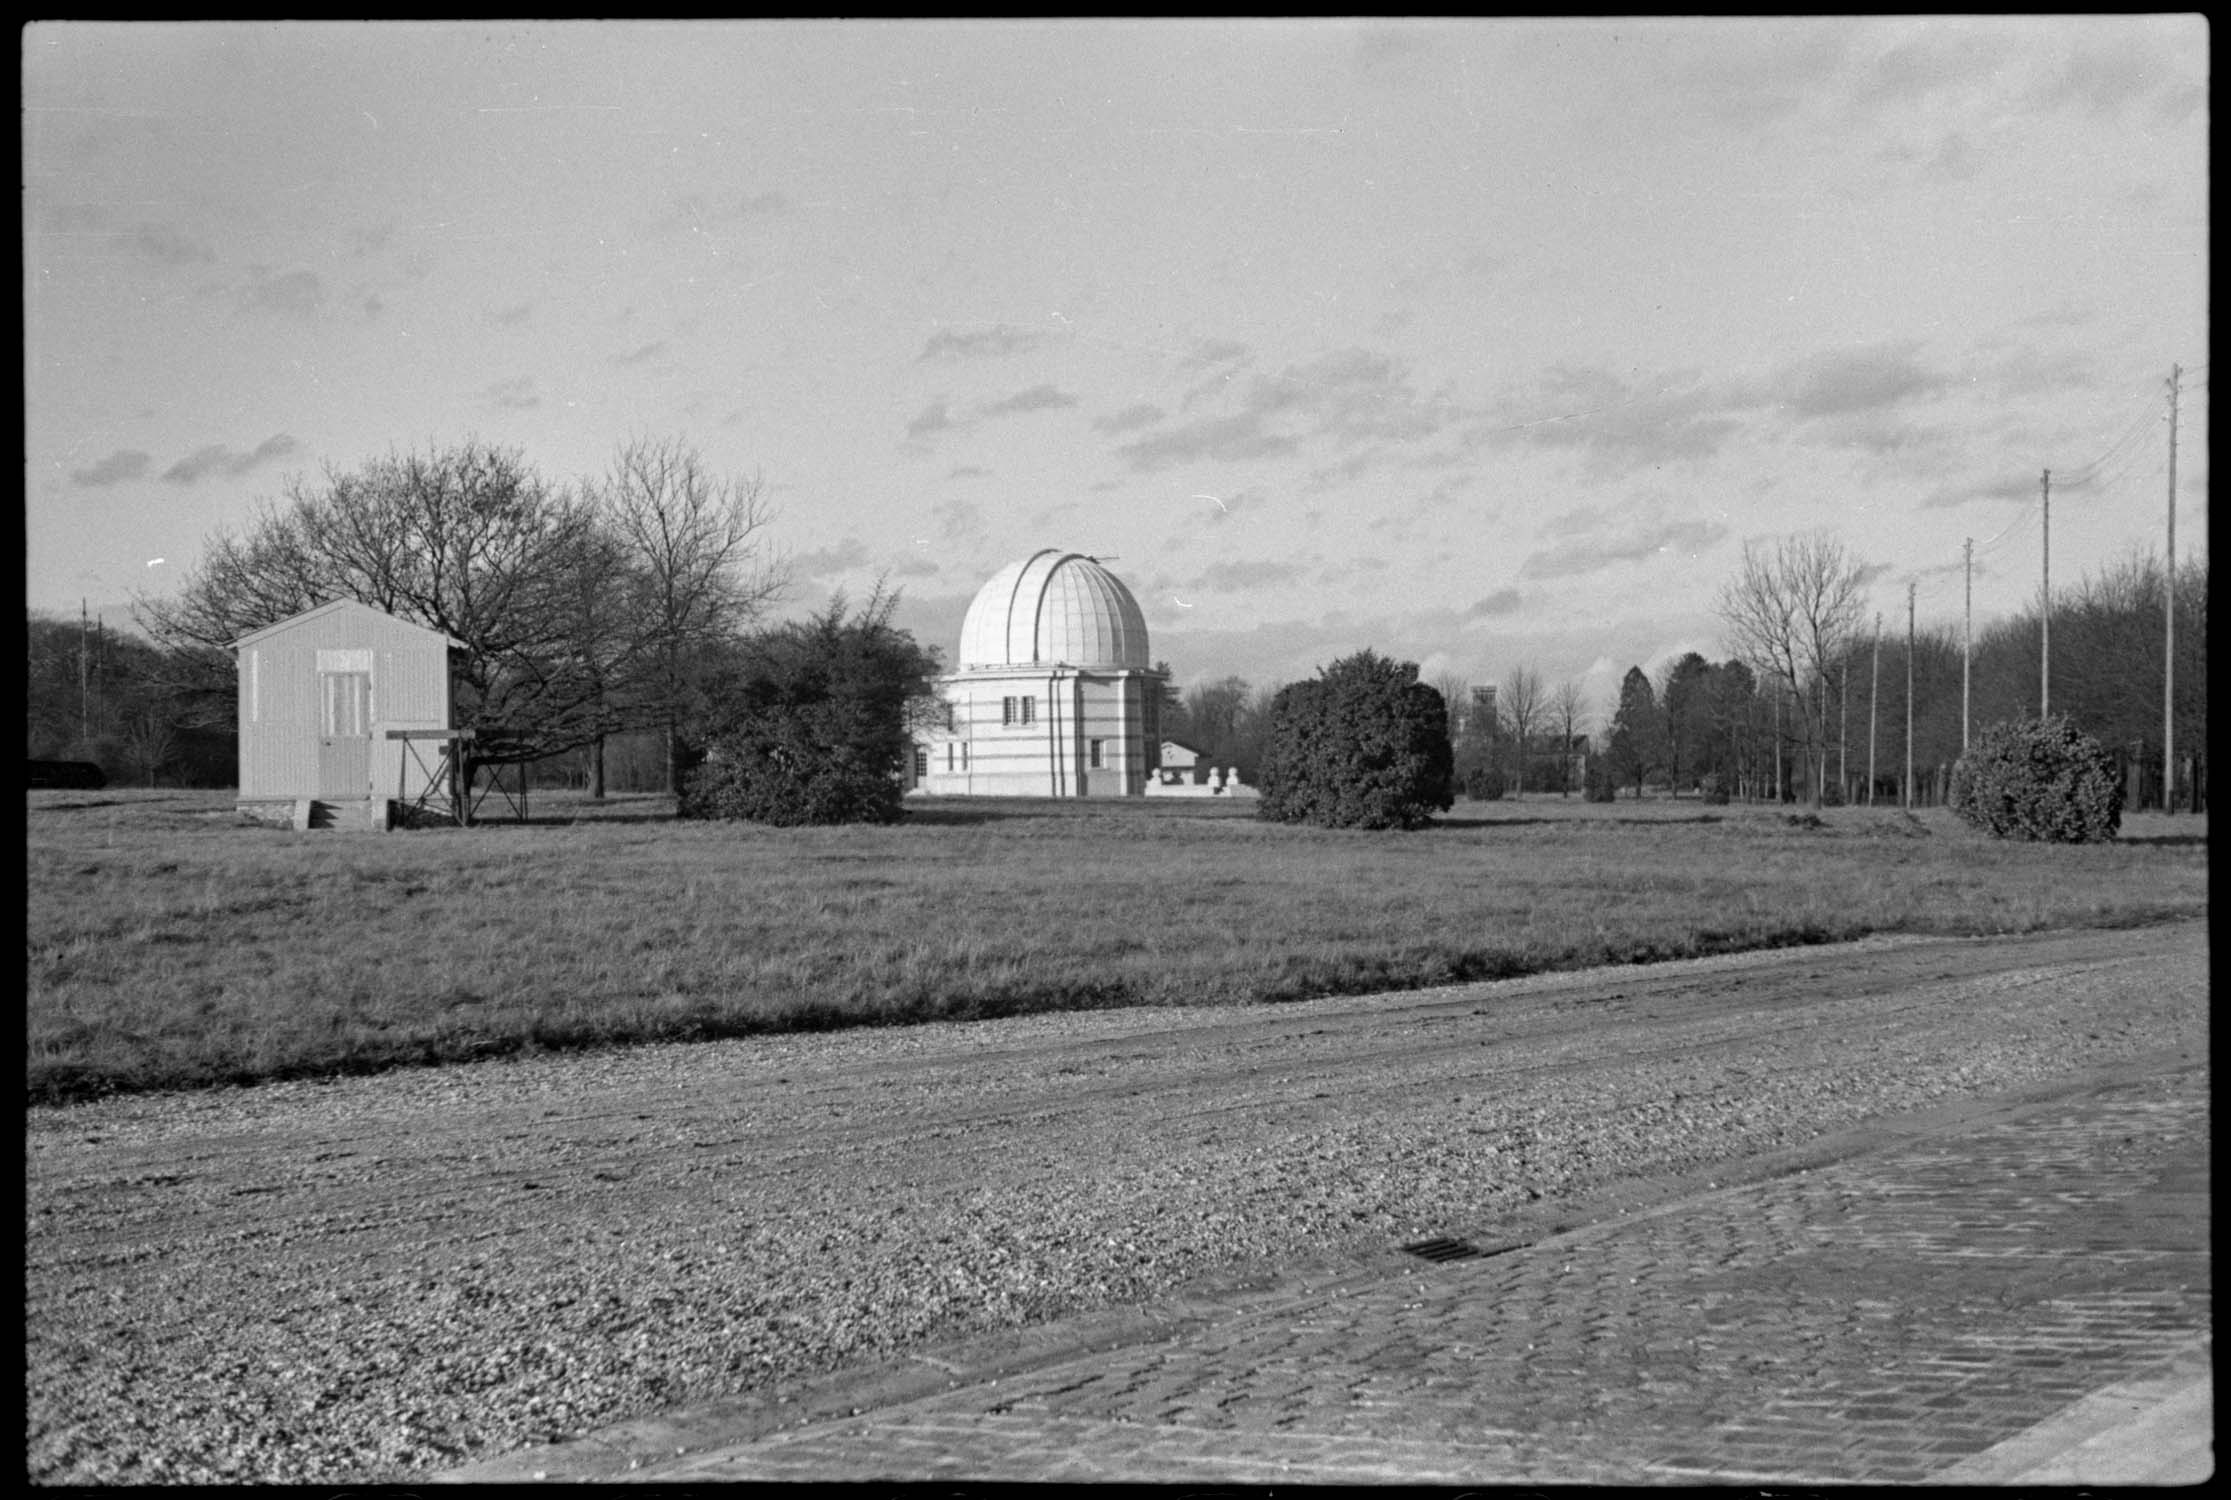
[{"x": 1054, "y": 608}]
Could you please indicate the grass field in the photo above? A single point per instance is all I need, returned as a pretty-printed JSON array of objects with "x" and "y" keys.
[{"x": 170, "y": 946}]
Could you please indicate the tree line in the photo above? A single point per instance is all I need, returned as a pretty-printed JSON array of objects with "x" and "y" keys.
[
  {"x": 625, "y": 605},
  {"x": 1823, "y": 703}
]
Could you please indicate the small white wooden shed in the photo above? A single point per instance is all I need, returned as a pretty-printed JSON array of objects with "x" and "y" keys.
[{"x": 322, "y": 696}]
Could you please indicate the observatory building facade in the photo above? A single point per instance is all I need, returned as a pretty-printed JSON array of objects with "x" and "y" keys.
[{"x": 1053, "y": 693}]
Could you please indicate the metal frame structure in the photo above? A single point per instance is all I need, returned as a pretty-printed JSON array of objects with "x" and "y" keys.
[{"x": 435, "y": 796}]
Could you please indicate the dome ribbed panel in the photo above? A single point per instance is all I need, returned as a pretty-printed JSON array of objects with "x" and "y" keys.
[
  {"x": 1054, "y": 607},
  {"x": 985, "y": 637}
]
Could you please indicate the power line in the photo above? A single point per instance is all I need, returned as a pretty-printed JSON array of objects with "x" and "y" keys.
[{"x": 2086, "y": 473}]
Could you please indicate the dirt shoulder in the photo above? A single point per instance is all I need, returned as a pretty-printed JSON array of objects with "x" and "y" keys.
[{"x": 374, "y": 1278}]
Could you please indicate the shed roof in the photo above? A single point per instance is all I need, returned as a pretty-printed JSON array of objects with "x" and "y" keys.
[{"x": 339, "y": 606}]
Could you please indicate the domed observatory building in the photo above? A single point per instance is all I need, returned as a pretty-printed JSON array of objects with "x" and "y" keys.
[{"x": 1054, "y": 694}]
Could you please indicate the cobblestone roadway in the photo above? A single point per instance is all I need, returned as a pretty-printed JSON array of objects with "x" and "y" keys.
[{"x": 1881, "y": 1319}]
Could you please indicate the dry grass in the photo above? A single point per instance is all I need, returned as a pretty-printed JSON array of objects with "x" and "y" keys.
[{"x": 169, "y": 946}]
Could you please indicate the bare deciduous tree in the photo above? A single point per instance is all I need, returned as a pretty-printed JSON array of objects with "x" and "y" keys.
[
  {"x": 1790, "y": 612},
  {"x": 467, "y": 540},
  {"x": 1568, "y": 708},
  {"x": 1521, "y": 705},
  {"x": 1456, "y": 693},
  {"x": 694, "y": 541}
]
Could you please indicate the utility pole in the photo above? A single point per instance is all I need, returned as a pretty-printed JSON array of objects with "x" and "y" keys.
[
  {"x": 84, "y": 718},
  {"x": 1874, "y": 698},
  {"x": 1843, "y": 724},
  {"x": 2169, "y": 622},
  {"x": 1967, "y": 639},
  {"x": 1909, "y": 695},
  {"x": 2045, "y": 613}
]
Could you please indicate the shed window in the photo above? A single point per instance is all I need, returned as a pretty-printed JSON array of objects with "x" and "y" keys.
[{"x": 348, "y": 703}]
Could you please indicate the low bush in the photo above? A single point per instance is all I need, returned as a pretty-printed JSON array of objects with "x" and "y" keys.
[
  {"x": 1712, "y": 788},
  {"x": 1597, "y": 785},
  {"x": 1483, "y": 784},
  {"x": 2041, "y": 780}
]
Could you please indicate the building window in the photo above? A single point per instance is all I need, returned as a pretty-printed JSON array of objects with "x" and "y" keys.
[
  {"x": 1014, "y": 711},
  {"x": 964, "y": 755},
  {"x": 348, "y": 704},
  {"x": 921, "y": 762},
  {"x": 948, "y": 758},
  {"x": 1096, "y": 760}
]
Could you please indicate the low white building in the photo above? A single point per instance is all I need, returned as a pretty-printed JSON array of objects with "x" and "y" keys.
[{"x": 1053, "y": 693}]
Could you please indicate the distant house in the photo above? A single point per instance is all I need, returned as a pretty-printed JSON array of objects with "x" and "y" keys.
[
  {"x": 1181, "y": 765},
  {"x": 344, "y": 712},
  {"x": 1576, "y": 761}
]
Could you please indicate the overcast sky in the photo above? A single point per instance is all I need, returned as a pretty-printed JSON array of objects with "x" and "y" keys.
[{"x": 1478, "y": 343}]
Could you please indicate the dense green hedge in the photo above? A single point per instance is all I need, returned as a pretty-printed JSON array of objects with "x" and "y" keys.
[
  {"x": 1364, "y": 744},
  {"x": 2038, "y": 779},
  {"x": 813, "y": 723}
]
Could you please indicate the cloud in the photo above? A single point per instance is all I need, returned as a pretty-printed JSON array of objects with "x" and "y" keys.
[
  {"x": 1949, "y": 57},
  {"x": 638, "y": 356},
  {"x": 915, "y": 567},
  {"x": 1233, "y": 439},
  {"x": 692, "y": 214},
  {"x": 1585, "y": 554},
  {"x": 1857, "y": 380},
  {"x": 295, "y": 294},
  {"x": 514, "y": 395},
  {"x": 1037, "y": 398},
  {"x": 1751, "y": 73},
  {"x": 2105, "y": 78},
  {"x": 842, "y": 558},
  {"x": 1879, "y": 434},
  {"x": 1501, "y": 602},
  {"x": 968, "y": 471},
  {"x": 1347, "y": 396},
  {"x": 512, "y": 317},
  {"x": 1131, "y": 418},
  {"x": 1969, "y": 494},
  {"x": 167, "y": 247},
  {"x": 958, "y": 520},
  {"x": 986, "y": 343},
  {"x": 158, "y": 244},
  {"x": 1212, "y": 353},
  {"x": 1616, "y": 425},
  {"x": 123, "y": 464},
  {"x": 934, "y": 417},
  {"x": 218, "y": 459},
  {"x": 1234, "y": 577}
]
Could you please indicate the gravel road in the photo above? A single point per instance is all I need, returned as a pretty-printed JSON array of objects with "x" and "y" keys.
[{"x": 365, "y": 1280}]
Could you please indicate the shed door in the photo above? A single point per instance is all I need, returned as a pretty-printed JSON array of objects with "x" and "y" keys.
[{"x": 345, "y": 738}]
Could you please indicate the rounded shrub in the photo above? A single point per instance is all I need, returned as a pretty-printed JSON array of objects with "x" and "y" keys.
[
  {"x": 1712, "y": 788},
  {"x": 1364, "y": 744},
  {"x": 1484, "y": 784},
  {"x": 2038, "y": 779}
]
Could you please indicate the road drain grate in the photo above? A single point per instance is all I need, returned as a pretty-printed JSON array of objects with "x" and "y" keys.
[{"x": 1441, "y": 1251}]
